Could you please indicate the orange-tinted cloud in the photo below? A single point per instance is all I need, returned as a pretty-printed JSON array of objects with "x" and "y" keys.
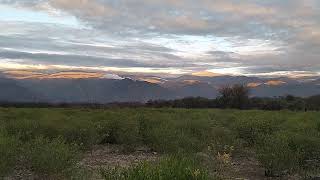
[
  {"x": 253, "y": 85},
  {"x": 60, "y": 75},
  {"x": 88, "y": 7},
  {"x": 206, "y": 74},
  {"x": 275, "y": 83}
]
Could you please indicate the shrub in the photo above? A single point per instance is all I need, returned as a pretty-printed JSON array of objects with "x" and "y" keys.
[
  {"x": 289, "y": 152},
  {"x": 120, "y": 130},
  {"x": 25, "y": 129},
  {"x": 9, "y": 153},
  {"x": 307, "y": 150},
  {"x": 84, "y": 135},
  {"x": 166, "y": 168},
  {"x": 276, "y": 156},
  {"x": 284, "y": 141},
  {"x": 253, "y": 126},
  {"x": 163, "y": 133},
  {"x": 51, "y": 157},
  {"x": 28, "y": 124}
]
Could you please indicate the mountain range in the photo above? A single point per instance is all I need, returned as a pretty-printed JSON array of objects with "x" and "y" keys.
[{"x": 84, "y": 87}]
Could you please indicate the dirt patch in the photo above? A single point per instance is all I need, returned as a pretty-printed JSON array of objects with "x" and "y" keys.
[
  {"x": 246, "y": 167},
  {"x": 21, "y": 173},
  {"x": 101, "y": 156},
  {"x": 113, "y": 155}
]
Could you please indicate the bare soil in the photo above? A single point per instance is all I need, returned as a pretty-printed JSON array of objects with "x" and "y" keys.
[
  {"x": 114, "y": 155},
  {"x": 243, "y": 167},
  {"x": 246, "y": 167}
]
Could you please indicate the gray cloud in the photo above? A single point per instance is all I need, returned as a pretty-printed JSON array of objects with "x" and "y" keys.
[
  {"x": 71, "y": 60},
  {"x": 259, "y": 35}
]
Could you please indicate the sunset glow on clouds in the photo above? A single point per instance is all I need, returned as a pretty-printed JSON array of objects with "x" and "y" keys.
[{"x": 247, "y": 37}]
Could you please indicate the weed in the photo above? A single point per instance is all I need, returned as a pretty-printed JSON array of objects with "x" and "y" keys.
[
  {"x": 166, "y": 168},
  {"x": 51, "y": 157},
  {"x": 9, "y": 153}
]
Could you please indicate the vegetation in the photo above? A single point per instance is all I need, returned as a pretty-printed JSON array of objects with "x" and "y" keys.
[
  {"x": 238, "y": 97},
  {"x": 53, "y": 158},
  {"x": 9, "y": 150},
  {"x": 166, "y": 168},
  {"x": 50, "y": 142},
  {"x": 231, "y": 97}
]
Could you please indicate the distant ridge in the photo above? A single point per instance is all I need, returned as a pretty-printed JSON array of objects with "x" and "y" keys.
[{"x": 75, "y": 87}]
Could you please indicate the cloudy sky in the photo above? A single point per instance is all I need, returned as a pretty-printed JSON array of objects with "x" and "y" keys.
[{"x": 248, "y": 37}]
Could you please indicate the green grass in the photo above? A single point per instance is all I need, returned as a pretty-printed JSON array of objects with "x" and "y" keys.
[
  {"x": 9, "y": 153},
  {"x": 283, "y": 141},
  {"x": 51, "y": 158},
  {"x": 167, "y": 168}
]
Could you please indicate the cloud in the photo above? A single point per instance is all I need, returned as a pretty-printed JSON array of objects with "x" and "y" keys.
[
  {"x": 84, "y": 7},
  {"x": 248, "y": 36},
  {"x": 240, "y": 8}
]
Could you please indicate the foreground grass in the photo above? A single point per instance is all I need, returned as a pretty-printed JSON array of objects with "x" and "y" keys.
[
  {"x": 50, "y": 141},
  {"x": 167, "y": 168}
]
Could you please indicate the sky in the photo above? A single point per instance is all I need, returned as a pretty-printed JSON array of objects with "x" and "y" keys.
[{"x": 238, "y": 37}]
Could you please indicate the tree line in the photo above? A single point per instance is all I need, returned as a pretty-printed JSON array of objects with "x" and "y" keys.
[
  {"x": 231, "y": 97},
  {"x": 238, "y": 97}
]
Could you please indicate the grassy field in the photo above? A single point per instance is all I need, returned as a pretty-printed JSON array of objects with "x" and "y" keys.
[{"x": 191, "y": 144}]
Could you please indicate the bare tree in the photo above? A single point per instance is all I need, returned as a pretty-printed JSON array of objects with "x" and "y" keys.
[{"x": 236, "y": 96}]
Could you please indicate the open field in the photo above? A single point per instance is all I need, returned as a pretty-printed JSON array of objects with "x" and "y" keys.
[{"x": 146, "y": 143}]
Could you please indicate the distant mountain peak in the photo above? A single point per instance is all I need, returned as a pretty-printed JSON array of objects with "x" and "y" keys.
[{"x": 81, "y": 86}]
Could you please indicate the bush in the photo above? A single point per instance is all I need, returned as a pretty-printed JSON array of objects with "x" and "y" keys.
[
  {"x": 285, "y": 152},
  {"x": 253, "y": 126},
  {"x": 276, "y": 156},
  {"x": 284, "y": 141},
  {"x": 28, "y": 124},
  {"x": 9, "y": 153},
  {"x": 119, "y": 130},
  {"x": 51, "y": 157},
  {"x": 163, "y": 133},
  {"x": 25, "y": 129},
  {"x": 166, "y": 168}
]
